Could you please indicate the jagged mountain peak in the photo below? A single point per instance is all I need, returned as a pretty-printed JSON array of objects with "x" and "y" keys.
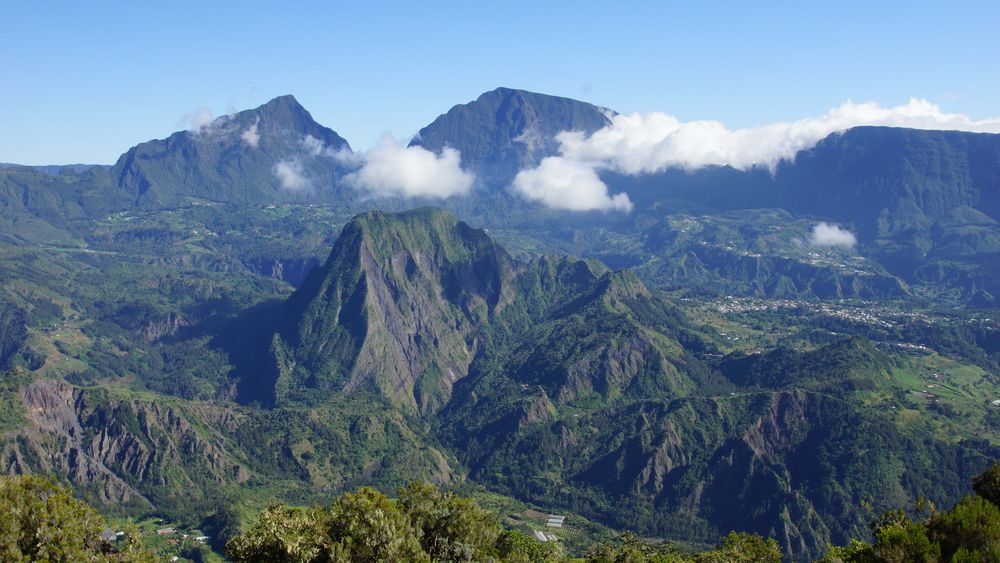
[
  {"x": 286, "y": 113},
  {"x": 405, "y": 300},
  {"x": 394, "y": 311}
]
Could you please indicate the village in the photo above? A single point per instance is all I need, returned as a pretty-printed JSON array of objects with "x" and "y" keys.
[{"x": 169, "y": 540}]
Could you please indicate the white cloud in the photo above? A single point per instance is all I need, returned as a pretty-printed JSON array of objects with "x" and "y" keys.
[
  {"x": 531, "y": 137},
  {"x": 292, "y": 176},
  {"x": 198, "y": 121},
  {"x": 251, "y": 136},
  {"x": 393, "y": 169},
  {"x": 825, "y": 234},
  {"x": 201, "y": 124},
  {"x": 563, "y": 183},
  {"x": 314, "y": 146},
  {"x": 647, "y": 143},
  {"x": 639, "y": 143}
]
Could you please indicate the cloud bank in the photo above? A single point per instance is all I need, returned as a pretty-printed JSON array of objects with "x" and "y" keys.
[
  {"x": 825, "y": 234},
  {"x": 648, "y": 143},
  {"x": 393, "y": 169}
]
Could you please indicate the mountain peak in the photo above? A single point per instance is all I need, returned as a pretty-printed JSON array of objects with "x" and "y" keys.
[
  {"x": 284, "y": 99},
  {"x": 281, "y": 107},
  {"x": 233, "y": 159},
  {"x": 393, "y": 311},
  {"x": 505, "y": 93},
  {"x": 505, "y": 130}
]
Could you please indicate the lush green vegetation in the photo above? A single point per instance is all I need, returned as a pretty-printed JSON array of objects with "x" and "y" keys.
[
  {"x": 151, "y": 356},
  {"x": 425, "y": 524},
  {"x": 586, "y": 392},
  {"x": 967, "y": 532},
  {"x": 40, "y": 521}
]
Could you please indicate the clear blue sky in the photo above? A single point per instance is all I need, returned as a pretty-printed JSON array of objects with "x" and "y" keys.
[{"x": 83, "y": 81}]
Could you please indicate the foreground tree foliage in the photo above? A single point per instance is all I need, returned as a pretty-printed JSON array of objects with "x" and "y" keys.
[
  {"x": 968, "y": 532},
  {"x": 423, "y": 524},
  {"x": 40, "y": 521},
  {"x": 426, "y": 524}
]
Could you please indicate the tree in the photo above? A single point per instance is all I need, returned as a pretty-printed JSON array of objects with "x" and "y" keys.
[
  {"x": 972, "y": 526},
  {"x": 987, "y": 484},
  {"x": 284, "y": 535},
  {"x": 629, "y": 548},
  {"x": 969, "y": 531},
  {"x": 739, "y": 547},
  {"x": 449, "y": 528},
  {"x": 366, "y": 526},
  {"x": 223, "y": 525},
  {"x": 514, "y": 547},
  {"x": 41, "y": 521}
]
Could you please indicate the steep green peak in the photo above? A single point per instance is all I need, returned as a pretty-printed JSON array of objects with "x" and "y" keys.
[
  {"x": 393, "y": 311},
  {"x": 232, "y": 158},
  {"x": 421, "y": 217},
  {"x": 424, "y": 230},
  {"x": 425, "y": 242}
]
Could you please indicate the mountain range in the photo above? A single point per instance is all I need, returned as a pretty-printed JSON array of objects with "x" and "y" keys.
[
  {"x": 224, "y": 317},
  {"x": 923, "y": 204}
]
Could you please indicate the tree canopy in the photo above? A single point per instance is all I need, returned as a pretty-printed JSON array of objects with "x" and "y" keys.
[
  {"x": 41, "y": 521},
  {"x": 968, "y": 532}
]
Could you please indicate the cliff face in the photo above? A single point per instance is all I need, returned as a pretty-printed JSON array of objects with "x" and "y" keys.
[{"x": 117, "y": 448}]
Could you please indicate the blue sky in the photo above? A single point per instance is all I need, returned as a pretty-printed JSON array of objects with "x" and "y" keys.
[{"x": 84, "y": 81}]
